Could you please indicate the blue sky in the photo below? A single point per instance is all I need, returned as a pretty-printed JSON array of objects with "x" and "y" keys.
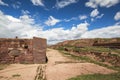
[{"x": 59, "y": 20}]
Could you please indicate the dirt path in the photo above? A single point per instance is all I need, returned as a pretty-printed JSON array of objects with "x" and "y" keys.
[
  {"x": 67, "y": 70},
  {"x": 19, "y": 72}
]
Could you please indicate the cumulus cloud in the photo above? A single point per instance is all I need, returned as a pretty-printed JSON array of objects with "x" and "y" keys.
[
  {"x": 117, "y": 16},
  {"x": 12, "y": 19},
  {"x": 106, "y": 32},
  {"x": 2, "y": 3},
  {"x": 101, "y": 3},
  {"x": 37, "y": 2},
  {"x": 64, "y": 3},
  {"x": 82, "y": 17},
  {"x": 60, "y": 34},
  {"x": 94, "y": 13},
  {"x": 52, "y": 21},
  {"x": 21, "y": 27},
  {"x": 97, "y": 17},
  {"x": 24, "y": 27},
  {"x": 27, "y": 19}
]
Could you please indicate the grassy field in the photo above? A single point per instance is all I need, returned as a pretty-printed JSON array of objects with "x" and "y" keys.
[
  {"x": 115, "y": 76},
  {"x": 89, "y": 49}
]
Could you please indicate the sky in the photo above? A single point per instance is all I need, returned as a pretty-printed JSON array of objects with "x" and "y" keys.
[{"x": 60, "y": 20}]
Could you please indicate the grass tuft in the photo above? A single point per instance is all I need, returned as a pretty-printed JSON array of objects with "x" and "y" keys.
[{"x": 16, "y": 75}]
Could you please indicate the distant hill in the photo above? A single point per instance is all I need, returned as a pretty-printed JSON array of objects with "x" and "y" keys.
[{"x": 106, "y": 42}]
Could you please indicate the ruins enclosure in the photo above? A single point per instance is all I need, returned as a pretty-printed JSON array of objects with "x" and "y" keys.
[{"x": 23, "y": 50}]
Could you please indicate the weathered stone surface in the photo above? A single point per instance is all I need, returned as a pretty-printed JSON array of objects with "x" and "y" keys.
[
  {"x": 23, "y": 50},
  {"x": 39, "y": 50}
]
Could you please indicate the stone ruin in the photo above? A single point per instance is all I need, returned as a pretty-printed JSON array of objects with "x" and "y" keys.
[{"x": 23, "y": 50}]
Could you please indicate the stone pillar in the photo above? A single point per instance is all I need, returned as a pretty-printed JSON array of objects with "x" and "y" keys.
[{"x": 39, "y": 50}]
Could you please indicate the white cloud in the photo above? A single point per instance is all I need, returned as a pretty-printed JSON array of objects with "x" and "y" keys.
[
  {"x": 2, "y": 3},
  {"x": 16, "y": 5},
  {"x": 96, "y": 17},
  {"x": 100, "y": 16},
  {"x": 52, "y": 21},
  {"x": 60, "y": 34},
  {"x": 64, "y": 3},
  {"x": 25, "y": 12},
  {"x": 27, "y": 19},
  {"x": 37, "y": 2},
  {"x": 118, "y": 23},
  {"x": 106, "y": 32},
  {"x": 22, "y": 27},
  {"x": 68, "y": 20},
  {"x": 82, "y": 17},
  {"x": 10, "y": 18},
  {"x": 94, "y": 13},
  {"x": 101, "y": 3},
  {"x": 117, "y": 16},
  {"x": 25, "y": 27}
]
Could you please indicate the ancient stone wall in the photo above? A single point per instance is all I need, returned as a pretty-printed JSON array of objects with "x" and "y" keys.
[{"x": 22, "y": 50}]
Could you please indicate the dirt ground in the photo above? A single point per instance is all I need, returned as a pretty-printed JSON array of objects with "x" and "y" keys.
[
  {"x": 64, "y": 71},
  {"x": 19, "y": 72},
  {"x": 56, "y": 69}
]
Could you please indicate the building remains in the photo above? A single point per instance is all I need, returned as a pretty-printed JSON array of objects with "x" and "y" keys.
[{"x": 23, "y": 50}]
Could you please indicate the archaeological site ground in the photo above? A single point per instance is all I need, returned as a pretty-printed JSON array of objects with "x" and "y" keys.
[{"x": 82, "y": 59}]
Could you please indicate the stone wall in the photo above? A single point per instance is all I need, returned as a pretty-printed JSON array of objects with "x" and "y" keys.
[
  {"x": 23, "y": 50},
  {"x": 39, "y": 50}
]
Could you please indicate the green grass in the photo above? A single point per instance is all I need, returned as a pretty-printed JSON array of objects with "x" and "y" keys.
[
  {"x": 114, "y": 76},
  {"x": 116, "y": 50},
  {"x": 16, "y": 75},
  {"x": 87, "y": 49},
  {"x": 92, "y": 49}
]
